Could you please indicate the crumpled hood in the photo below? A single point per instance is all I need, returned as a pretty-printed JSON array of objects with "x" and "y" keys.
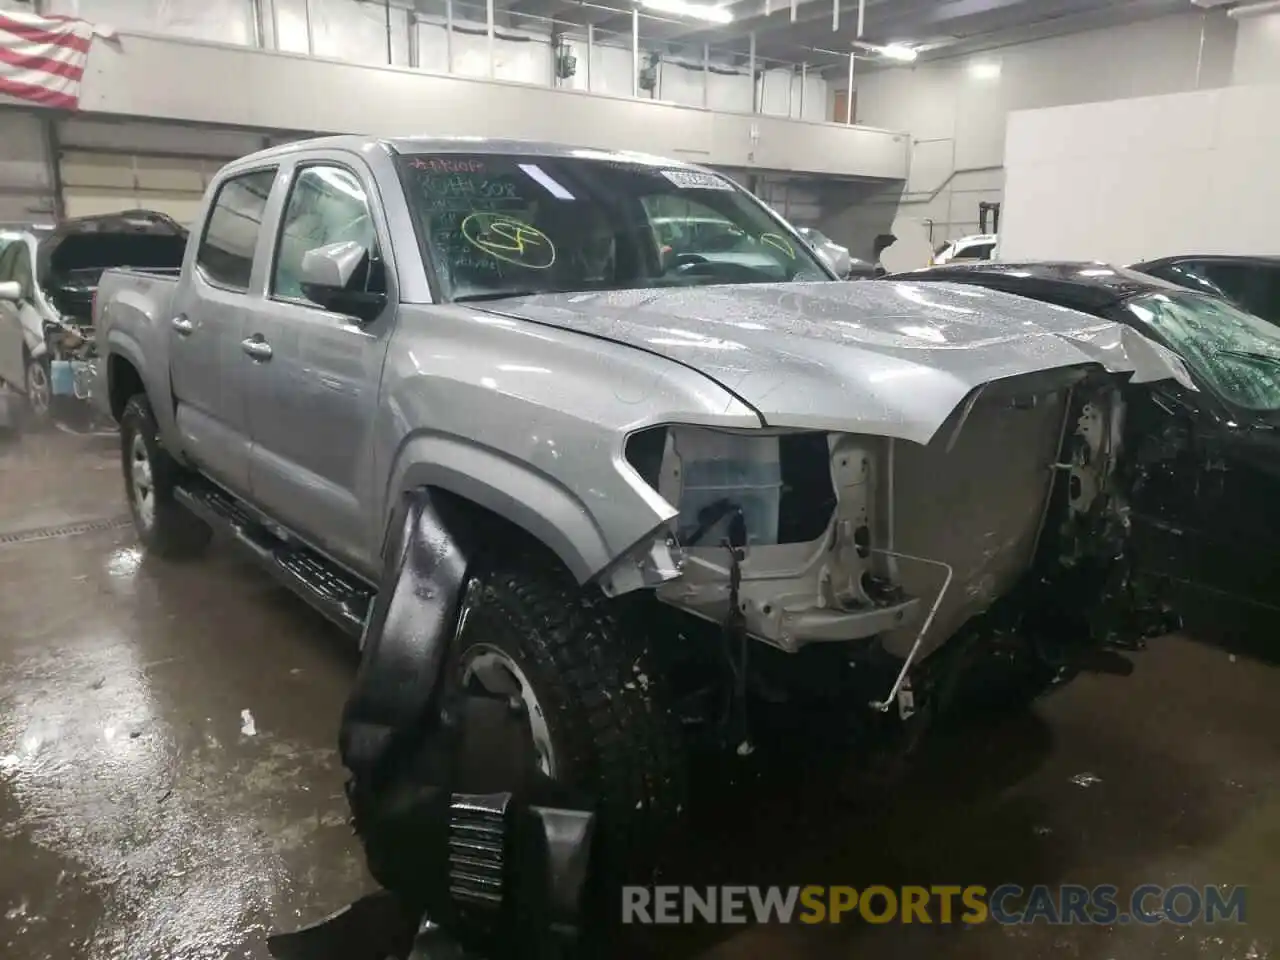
[{"x": 882, "y": 357}]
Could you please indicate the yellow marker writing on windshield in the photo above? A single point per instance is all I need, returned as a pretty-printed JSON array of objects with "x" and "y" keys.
[{"x": 506, "y": 238}]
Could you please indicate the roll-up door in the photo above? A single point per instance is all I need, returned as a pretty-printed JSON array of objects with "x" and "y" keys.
[{"x": 107, "y": 166}]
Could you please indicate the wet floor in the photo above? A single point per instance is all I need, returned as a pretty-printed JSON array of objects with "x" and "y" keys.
[{"x": 169, "y": 785}]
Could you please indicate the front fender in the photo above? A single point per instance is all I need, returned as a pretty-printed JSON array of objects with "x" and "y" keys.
[
  {"x": 532, "y": 501},
  {"x": 407, "y": 636}
]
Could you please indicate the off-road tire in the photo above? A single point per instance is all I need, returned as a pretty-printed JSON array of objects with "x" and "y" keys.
[
  {"x": 173, "y": 532},
  {"x": 604, "y": 700},
  {"x": 613, "y": 738}
]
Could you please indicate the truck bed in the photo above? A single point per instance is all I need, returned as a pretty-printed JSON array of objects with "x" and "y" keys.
[{"x": 146, "y": 292}]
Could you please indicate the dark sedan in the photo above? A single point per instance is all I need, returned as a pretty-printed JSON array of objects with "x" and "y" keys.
[
  {"x": 1251, "y": 283},
  {"x": 1206, "y": 507}
]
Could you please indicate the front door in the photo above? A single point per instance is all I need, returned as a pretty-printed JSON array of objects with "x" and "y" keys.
[
  {"x": 11, "y": 336},
  {"x": 1207, "y": 503},
  {"x": 312, "y": 412},
  {"x": 206, "y": 359}
]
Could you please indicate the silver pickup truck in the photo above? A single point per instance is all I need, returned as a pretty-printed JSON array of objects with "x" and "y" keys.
[{"x": 461, "y": 397}]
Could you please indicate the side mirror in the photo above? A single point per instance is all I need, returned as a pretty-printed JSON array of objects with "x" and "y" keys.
[
  {"x": 11, "y": 290},
  {"x": 334, "y": 275}
]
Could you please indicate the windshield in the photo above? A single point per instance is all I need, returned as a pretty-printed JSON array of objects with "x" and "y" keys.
[
  {"x": 495, "y": 225},
  {"x": 1235, "y": 353}
]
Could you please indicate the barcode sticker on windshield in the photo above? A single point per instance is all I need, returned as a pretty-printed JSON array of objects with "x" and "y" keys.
[{"x": 696, "y": 180}]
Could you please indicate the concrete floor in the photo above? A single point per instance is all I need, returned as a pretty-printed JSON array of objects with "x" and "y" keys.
[{"x": 169, "y": 785}]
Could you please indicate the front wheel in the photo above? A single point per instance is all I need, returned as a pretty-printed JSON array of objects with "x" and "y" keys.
[
  {"x": 595, "y": 709},
  {"x": 164, "y": 526},
  {"x": 39, "y": 389}
]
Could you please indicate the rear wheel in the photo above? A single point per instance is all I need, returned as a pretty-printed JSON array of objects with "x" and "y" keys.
[{"x": 164, "y": 526}]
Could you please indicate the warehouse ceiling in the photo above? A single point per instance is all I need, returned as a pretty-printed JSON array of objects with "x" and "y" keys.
[{"x": 823, "y": 38}]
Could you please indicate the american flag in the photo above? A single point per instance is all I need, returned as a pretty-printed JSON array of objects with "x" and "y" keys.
[{"x": 42, "y": 59}]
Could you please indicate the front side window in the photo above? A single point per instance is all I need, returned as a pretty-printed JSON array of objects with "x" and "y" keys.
[
  {"x": 1190, "y": 274},
  {"x": 496, "y": 226},
  {"x": 231, "y": 233},
  {"x": 327, "y": 204},
  {"x": 1267, "y": 302},
  {"x": 1235, "y": 353}
]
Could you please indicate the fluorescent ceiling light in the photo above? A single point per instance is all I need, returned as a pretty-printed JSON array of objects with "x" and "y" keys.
[
  {"x": 892, "y": 51},
  {"x": 897, "y": 51},
  {"x": 697, "y": 11}
]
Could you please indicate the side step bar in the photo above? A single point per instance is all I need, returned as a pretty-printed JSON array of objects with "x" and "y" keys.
[{"x": 332, "y": 591}]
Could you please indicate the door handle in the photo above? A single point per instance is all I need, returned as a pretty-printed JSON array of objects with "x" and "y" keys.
[
  {"x": 257, "y": 348},
  {"x": 181, "y": 324}
]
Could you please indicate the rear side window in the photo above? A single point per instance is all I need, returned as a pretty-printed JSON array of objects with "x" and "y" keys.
[
  {"x": 231, "y": 233},
  {"x": 1236, "y": 280},
  {"x": 1267, "y": 305},
  {"x": 978, "y": 251}
]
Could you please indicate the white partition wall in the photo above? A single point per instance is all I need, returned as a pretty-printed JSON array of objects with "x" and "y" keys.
[{"x": 1132, "y": 179}]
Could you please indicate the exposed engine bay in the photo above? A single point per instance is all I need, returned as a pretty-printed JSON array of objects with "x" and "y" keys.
[
  {"x": 72, "y": 352},
  {"x": 845, "y": 537}
]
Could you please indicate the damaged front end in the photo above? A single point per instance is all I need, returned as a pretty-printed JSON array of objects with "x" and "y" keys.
[
  {"x": 1010, "y": 526},
  {"x": 71, "y": 351}
]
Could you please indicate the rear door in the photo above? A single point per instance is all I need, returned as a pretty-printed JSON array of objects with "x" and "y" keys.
[
  {"x": 314, "y": 398},
  {"x": 207, "y": 360}
]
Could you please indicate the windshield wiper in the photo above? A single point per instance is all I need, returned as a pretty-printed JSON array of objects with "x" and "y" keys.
[
  {"x": 1251, "y": 355},
  {"x": 496, "y": 295}
]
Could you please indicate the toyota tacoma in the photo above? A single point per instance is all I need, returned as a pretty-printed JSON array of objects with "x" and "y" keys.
[{"x": 462, "y": 397}]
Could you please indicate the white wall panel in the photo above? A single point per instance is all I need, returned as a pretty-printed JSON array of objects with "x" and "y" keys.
[
  {"x": 226, "y": 21},
  {"x": 520, "y": 56},
  {"x": 610, "y": 69},
  {"x": 956, "y": 109},
  {"x": 317, "y": 95},
  {"x": 357, "y": 31},
  {"x": 287, "y": 26},
  {"x": 729, "y": 92},
  {"x": 683, "y": 82},
  {"x": 1145, "y": 177},
  {"x": 1257, "y": 57},
  {"x": 340, "y": 29},
  {"x": 348, "y": 30}
]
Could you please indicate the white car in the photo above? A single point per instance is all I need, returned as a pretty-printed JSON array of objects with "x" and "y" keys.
[
  {"x": 47, "y": 280},
  {"x": 978, "y": 246},
  {"x": 836, "y": 255}
]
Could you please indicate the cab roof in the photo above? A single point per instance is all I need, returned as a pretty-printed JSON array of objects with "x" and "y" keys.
[{"x": 470, "y": 145}]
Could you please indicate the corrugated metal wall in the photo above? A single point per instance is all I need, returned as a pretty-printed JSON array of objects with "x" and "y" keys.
[
  {"x": 26, "y": 178},
  {"x": 107, "y": 166}
]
